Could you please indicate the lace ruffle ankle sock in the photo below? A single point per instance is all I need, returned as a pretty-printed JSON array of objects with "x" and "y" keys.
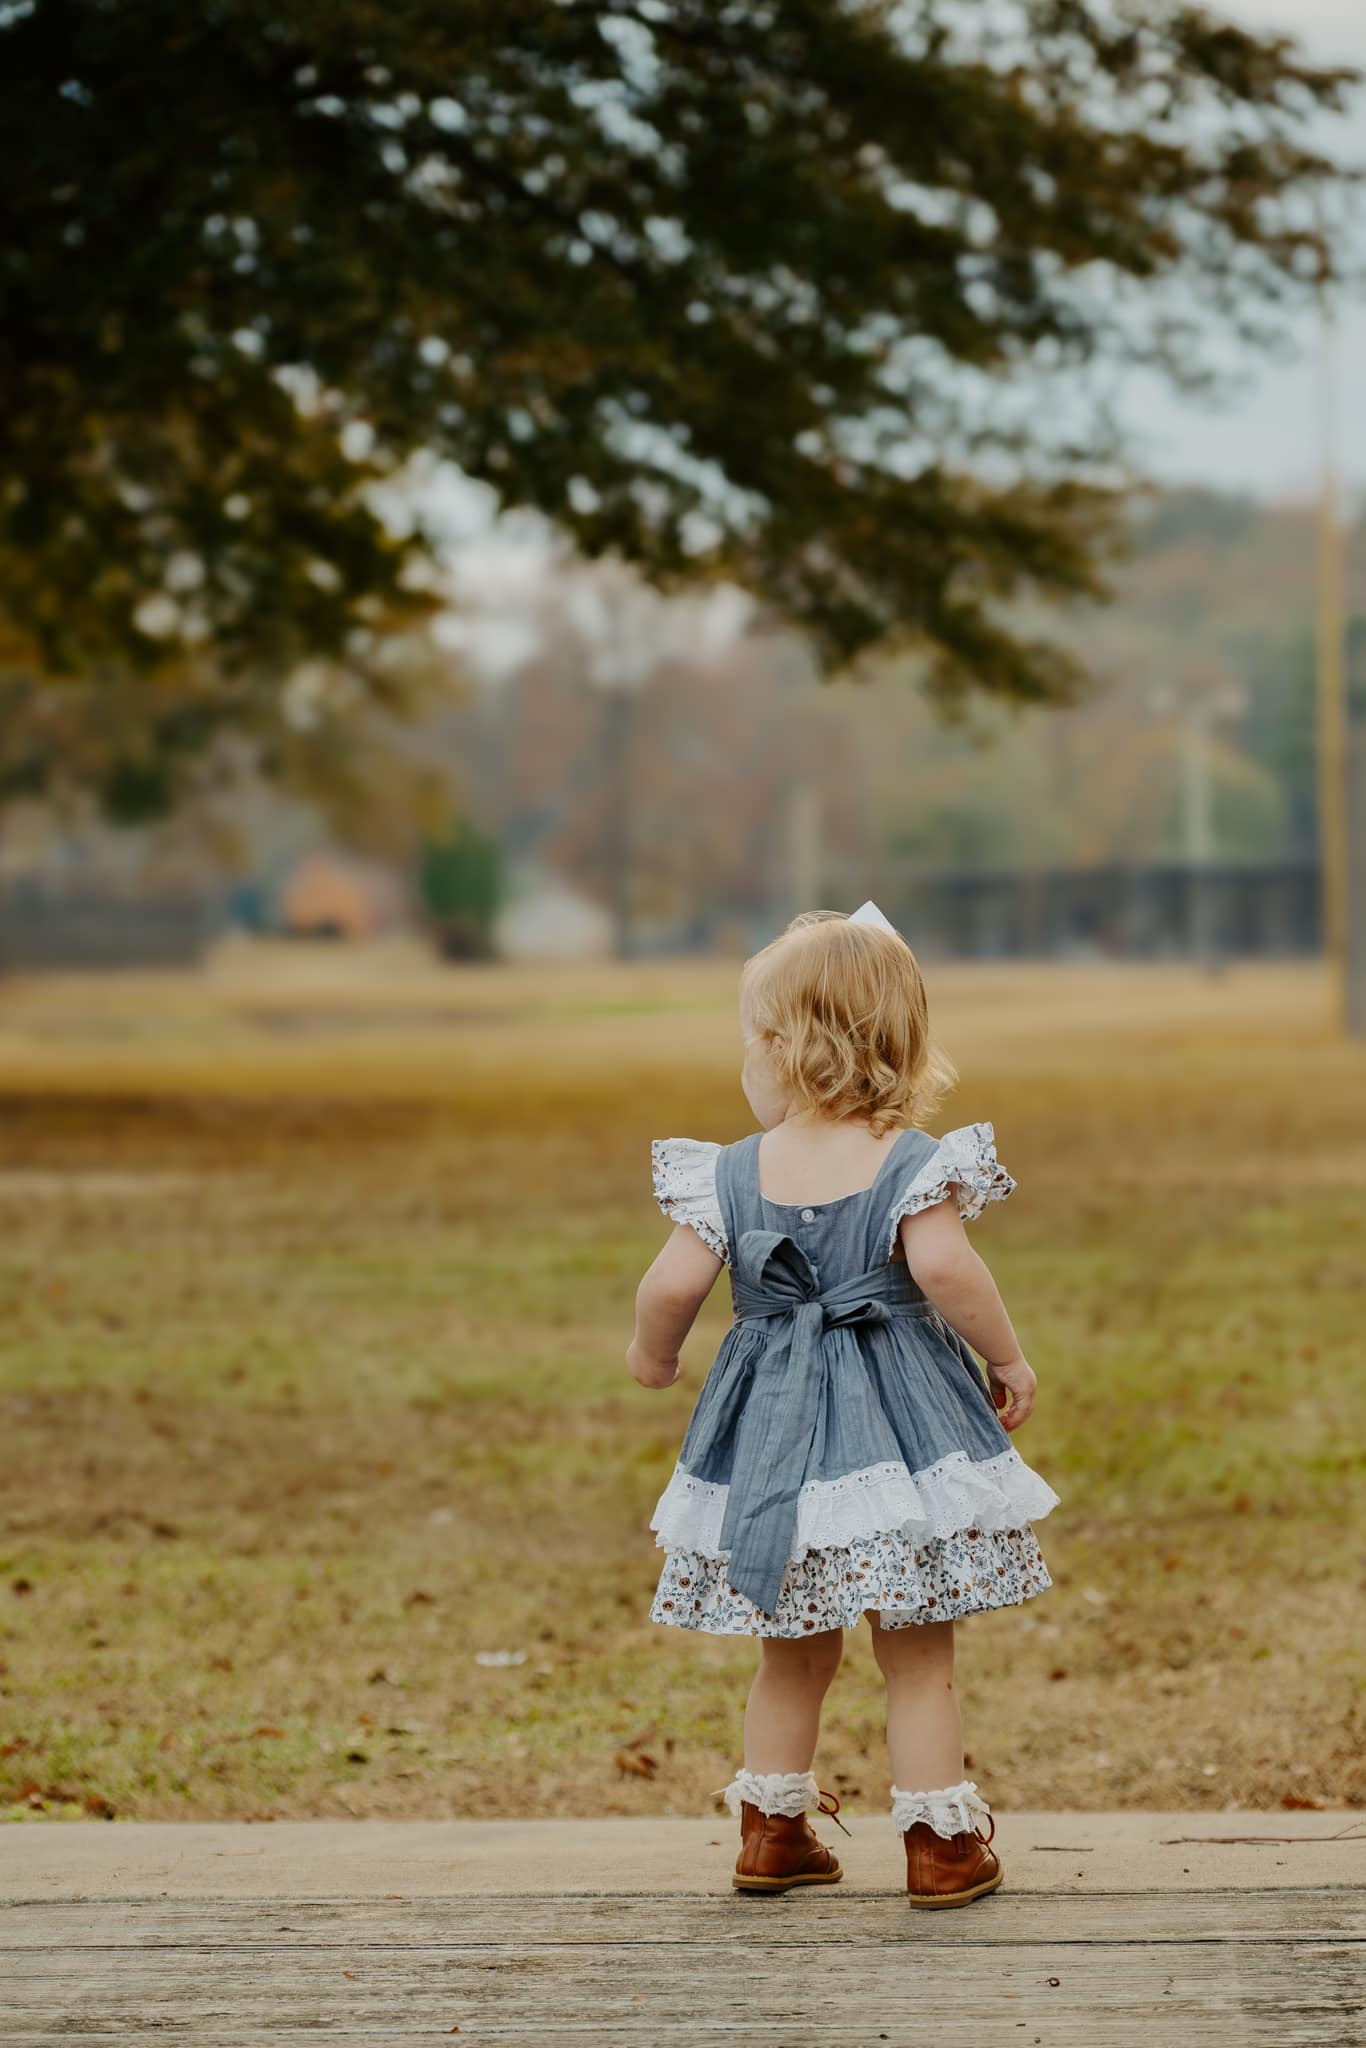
[
  {"x": 956, "y": 1810},
  {"x": 782, "y": 1792}
]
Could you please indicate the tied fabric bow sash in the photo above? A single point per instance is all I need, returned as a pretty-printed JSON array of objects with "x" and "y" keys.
[{"x": 773, "y": 1279}]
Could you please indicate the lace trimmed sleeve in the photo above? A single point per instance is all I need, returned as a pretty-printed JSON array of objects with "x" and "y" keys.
[
  {"x": 963, "y": 1163},
  {"x": 685, "y": 1187}
]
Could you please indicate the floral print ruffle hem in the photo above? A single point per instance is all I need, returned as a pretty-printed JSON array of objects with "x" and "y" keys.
[{"x": 942, "y": 1579}]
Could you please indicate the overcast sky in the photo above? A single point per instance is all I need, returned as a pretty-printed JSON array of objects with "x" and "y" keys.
[{"x": 1267, "y": 440}]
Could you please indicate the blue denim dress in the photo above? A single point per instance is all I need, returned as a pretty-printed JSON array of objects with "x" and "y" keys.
[{"x": 844, "y": 1455}]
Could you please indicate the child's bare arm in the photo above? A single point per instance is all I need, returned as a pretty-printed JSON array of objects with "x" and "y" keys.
[
  {"x": 960, "y": 1286},
  {"x": 667, "y": 1302}
]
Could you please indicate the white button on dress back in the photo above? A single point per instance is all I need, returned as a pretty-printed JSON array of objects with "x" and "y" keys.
[{"x": 808, "y": 1215}]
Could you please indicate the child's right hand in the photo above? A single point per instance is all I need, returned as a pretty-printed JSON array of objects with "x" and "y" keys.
[
  {"x": 651, "y": 1372},
  {"x": 1012, "y": 1382}
]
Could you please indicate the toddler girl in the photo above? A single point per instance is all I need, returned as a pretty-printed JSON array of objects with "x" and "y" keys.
[{"x": 846, "y": 1457}]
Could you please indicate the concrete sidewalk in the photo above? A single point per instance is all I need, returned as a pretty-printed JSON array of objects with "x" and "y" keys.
[{"x": 375, "y": 1859}]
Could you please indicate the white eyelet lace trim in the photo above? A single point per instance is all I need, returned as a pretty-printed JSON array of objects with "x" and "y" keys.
[
  {"x": 956, "y": 1811},
  {"x": 965, "y": 1161},
  {"x": 945, "y": 1499},
  {"x": 684, "y": 1172},
  {"x": 783, "y": 1792},
  {"x": 685, "y": 1188}
]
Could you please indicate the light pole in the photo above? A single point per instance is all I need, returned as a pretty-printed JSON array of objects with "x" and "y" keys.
[
  {"x": 1197, "y": 811},
  {"x": 1331, "y": 667}
]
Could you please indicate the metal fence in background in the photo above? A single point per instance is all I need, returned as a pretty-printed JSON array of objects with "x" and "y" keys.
[
  {"x": 46, "y": 928},
  {"x": 1170, "y": 912}
]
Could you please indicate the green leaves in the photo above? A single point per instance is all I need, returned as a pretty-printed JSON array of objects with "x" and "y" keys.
[{"x": 763, "y": 292}]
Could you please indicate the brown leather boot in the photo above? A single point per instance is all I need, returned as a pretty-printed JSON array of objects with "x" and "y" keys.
[
  {"x": 952, "y": 1871},
  {"x": 777, "y": 1852}
]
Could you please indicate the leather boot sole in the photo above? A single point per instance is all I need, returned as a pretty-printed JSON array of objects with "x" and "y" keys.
[
  {"x": 785, "y": 1884},
  {"x": 934, "y": 1899}
]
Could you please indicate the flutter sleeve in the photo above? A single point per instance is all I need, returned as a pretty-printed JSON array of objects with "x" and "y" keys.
[
  {"x": 685, "y": 1188},
  {"x": 964, "y": 1164}
]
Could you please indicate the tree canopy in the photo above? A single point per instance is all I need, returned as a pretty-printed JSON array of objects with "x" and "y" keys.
[{"x": 800, "y": 293}]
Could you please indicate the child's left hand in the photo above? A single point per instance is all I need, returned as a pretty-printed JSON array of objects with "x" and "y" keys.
[
  {"x": 1013, "y": 1389},
  {"x": 651, "y": 1372}
]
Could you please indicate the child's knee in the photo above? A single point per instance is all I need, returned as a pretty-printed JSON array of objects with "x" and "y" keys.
[
  {"x": 925, "y": 1648},
  {"x": 890, "y": 1654},
  {"x": 807, "y": 1659}
]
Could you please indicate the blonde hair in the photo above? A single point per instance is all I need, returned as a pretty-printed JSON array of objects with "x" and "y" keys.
[{"x": 842, "y": 1011}]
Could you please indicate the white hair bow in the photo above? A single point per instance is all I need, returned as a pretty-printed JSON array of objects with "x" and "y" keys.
[{"x": 868, "y": 913}]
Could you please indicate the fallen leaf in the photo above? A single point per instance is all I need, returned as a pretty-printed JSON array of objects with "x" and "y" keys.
[
  {"x": 33, "y": 1794},
  {"x": 1293, "y": 1803},
  {"x": 632, "y": 1764},
  {"x": 639, "y": 1741}
]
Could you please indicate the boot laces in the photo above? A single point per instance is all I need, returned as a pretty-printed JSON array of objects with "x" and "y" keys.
[
  {"x": 987, "y": 1840},
  {"x": 832, "y": 1811}
]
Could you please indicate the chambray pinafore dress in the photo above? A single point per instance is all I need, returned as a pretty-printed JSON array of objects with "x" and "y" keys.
[{"x": 844, "y": 1453}]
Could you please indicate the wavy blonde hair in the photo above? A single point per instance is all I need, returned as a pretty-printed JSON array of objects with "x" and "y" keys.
[{"x": 842, "y": 1011}]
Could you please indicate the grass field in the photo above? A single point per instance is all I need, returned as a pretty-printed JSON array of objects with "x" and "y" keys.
[{"x": 316, "y": 1283}]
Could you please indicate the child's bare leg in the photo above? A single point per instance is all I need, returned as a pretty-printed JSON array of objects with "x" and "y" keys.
[
  {"x": 924, "y": 1726},
  {"x": 783, "y": 1712}
]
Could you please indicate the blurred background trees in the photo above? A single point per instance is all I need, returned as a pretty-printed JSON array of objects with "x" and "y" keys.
[
  {"x": 800, "y": 296},
  {"x": 738, "y": 348},
  {"x": 755, "y": 786}
]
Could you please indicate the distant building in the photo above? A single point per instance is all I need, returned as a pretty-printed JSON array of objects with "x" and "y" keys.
[{"x": 547, "y": 920}]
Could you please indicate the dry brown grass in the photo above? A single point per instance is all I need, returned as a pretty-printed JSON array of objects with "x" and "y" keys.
[{"x": 316, "y": 1286}]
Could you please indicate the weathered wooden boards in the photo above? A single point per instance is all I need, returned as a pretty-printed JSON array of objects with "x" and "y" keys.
[{"x": 801, "y": 1971}]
